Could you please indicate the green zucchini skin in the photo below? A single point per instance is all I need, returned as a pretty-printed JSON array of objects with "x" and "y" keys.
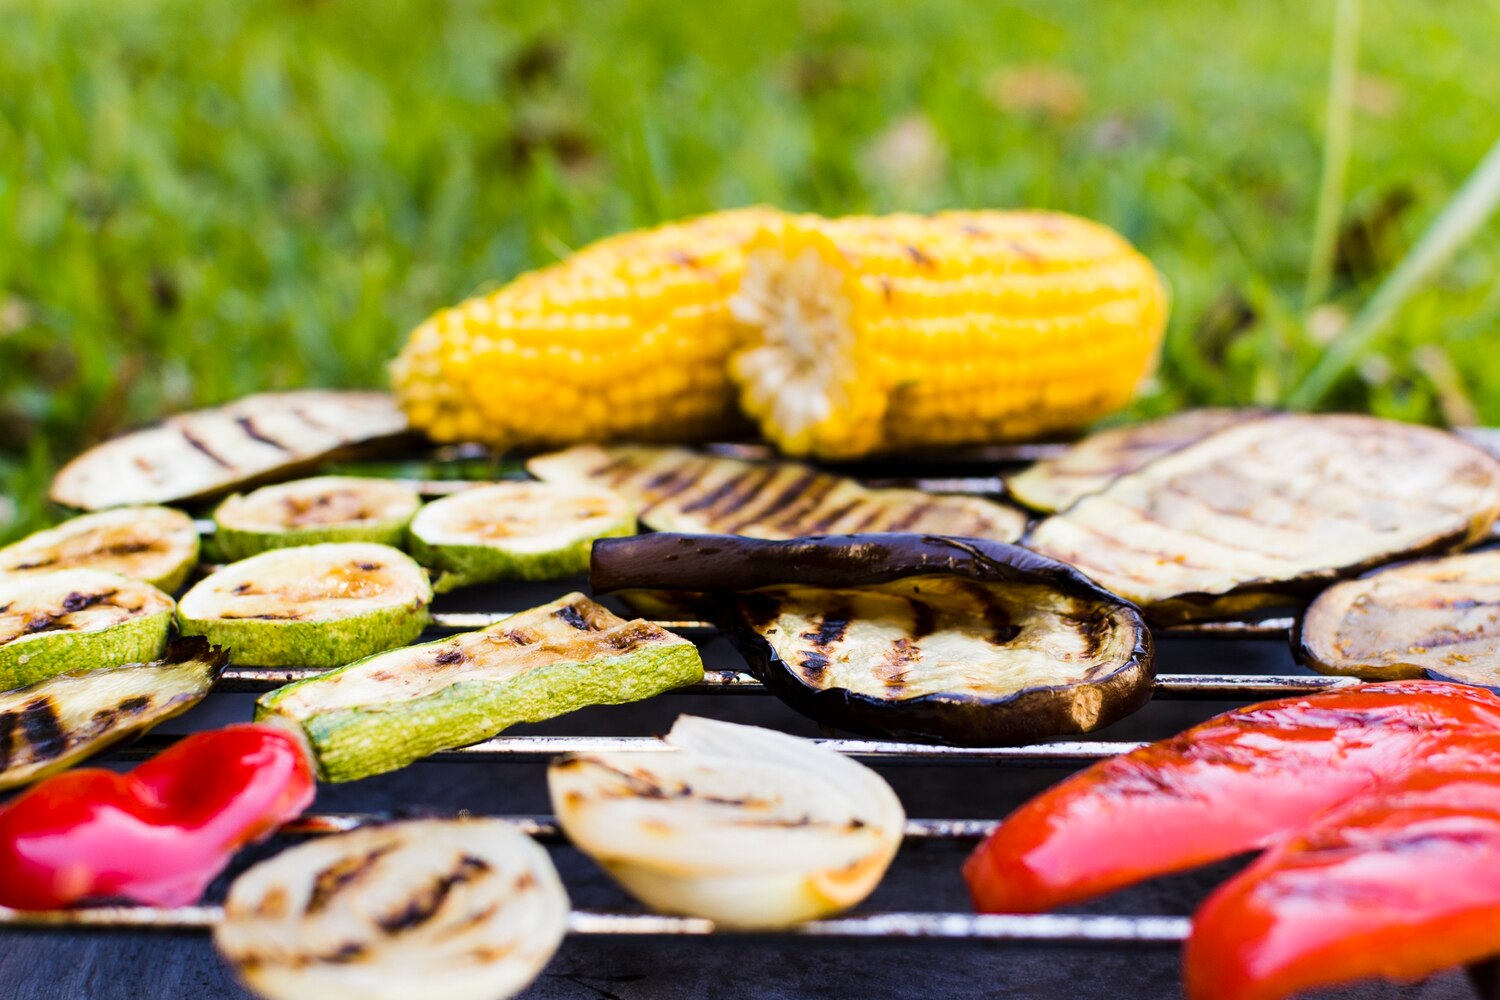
[
  {"x": 311, "y": 644},
  {"x": 236, "y": 537},
  {"x": 233, "y": 544},
  {"x": 458, "y": 566},
  {"x": 135, "y": 641}
]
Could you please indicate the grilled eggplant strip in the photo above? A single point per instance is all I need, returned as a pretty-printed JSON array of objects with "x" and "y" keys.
[
  {"x": 312, "y": 511},
  {"x": 926, "y": 637},
  {"x": 680, "y": 490},
  {"x": 1263, "y": 514},
  {"x": 1434, "y": 617},
  {"x": 157, "y": 545},
  {"x": 392, "y": 709},
  {"x": 77, "y": 619},
  {"x": 207, "y": 453},
  {"x": 1092, "y": 464},
  {"x": 55, "y": 723},
  {"x": 462, "y": 909}
]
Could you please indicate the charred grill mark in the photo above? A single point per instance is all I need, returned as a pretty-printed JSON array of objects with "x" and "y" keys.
[
  {"x": 831, "y": 628},
  {"x": 79, "y": 602},
  {"x": 571, "y": 615},
  {"x": 665, "y": 485},
  {"x": 118, "y": 549},
  {"x": 421, "y": 907},
  {"x": 449, "y": 657},
  {"x": 913, "y": 516},
  {"x": 736, "y": 502},
  {"x": 43, "y": 729},
  {"x": 718, "y": 493},
  {"x": 828, "y": 520},
  {"x": 340, "y": 875},
  {"x": 813, "y": 664},
  {"x": 616, "y": 470},
  {"x": 312, "y": 421},
  {"x": 996, "y": 616},
  {"x": 892, "y": 668},
  {"x": 133, "y": 705},
  {"x": 872, "y": 517},
  {"x": 923, "y": 618},
  {"x": 760, "y": 610},
  {"x": 632, "y": 635},
  {"x": 779, "y": 503},
  {"x": 791, "y": 521},
  {"x": 349, "y": 951},
  {"x": 247, "y": 425},
  {"x": 194, "y": 442},
  {"x": 7, "y": 738},
  {"x": 265, "y": 616}
]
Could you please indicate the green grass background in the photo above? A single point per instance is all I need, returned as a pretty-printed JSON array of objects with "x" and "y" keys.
[{"x": 199, "y": 199}]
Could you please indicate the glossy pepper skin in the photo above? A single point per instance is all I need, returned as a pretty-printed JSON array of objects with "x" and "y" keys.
[
  {"x": 1220, "y": 788},
  {"x": 159, "y": 834},
  {"x": 1398, "y": 886}
]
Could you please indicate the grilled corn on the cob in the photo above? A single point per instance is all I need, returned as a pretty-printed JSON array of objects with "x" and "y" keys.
[
  {"x": 627, "y": 339},
  {"x": 869, "y": 334}
]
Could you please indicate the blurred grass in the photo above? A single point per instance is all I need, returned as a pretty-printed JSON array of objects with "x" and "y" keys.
[{"x": 199, "y": 199}]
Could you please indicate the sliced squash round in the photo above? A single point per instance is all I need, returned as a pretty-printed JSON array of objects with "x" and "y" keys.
[
  {"x": 313, "y": 606},
  {"x": 77, "y": 619},
  {"x": 157, "y": 545},
  {"x": 311, "y": 511},
  {"x": 462, "y": 909},
  {"x": 516, "y": 531}
]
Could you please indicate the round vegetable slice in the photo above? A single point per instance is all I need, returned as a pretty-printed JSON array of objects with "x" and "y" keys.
[
  {"x": 747, "y": 827},
  {"x": 516, "y": 531},
  {"x": 77, "y": 619},
  {"x": 460, "y": 909},
  {"x": 315, "y": 606},
  {"x": 310, "y": 511},
  {"x": 158, "y": 545}
]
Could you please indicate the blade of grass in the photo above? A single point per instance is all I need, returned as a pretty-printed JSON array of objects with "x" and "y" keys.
[
  {"x": 1464, "y": 214},
  {"x": 1336, "y": 142}
]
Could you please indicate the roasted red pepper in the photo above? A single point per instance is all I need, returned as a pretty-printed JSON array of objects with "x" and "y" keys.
[
  {"x": 1398, "y": 886},
  {"x": 1226, "y": 786},
  {"x": 157, "y": 835}
]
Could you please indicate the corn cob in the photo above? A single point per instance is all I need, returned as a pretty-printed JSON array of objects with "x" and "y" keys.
[
  {"x": 868, "y": 334},
  {"x": 627, "y": 339}
]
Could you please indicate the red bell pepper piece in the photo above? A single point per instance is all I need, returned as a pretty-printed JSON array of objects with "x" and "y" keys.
[
  {"x": 159, "y": 834},
  {"x": 1398, "y": 886},
  {"x": 1220, "y": 788}
]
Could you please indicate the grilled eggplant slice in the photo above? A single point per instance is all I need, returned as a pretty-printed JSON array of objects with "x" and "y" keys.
[
  {"x": 1058, "y": 483},
  {"x": 1260, "y": 516},
  {"x": 158, "y": 545},
  {"x": 916, "y": 636},
  {"x": 516, "y": 531},
  {"x": 53, "y": 724},
  {"x": 77, "y": 619},
  {"x": 459, "y": 909},
  {"x": 206, "y": 453},
  {"x": 313, "y": 606},
  {"x": 1434, "y": 617},
  {"x": 747, "y": 827},
  {"x": 311, "y": 511},
  {"x": 680, "y": 490},
  {"x": 389, "y": 710}
]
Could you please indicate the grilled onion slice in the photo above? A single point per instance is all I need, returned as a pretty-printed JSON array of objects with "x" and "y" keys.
[
  {"x": 77, "y": 619},
  {"x": 680, "y": 490},
  {"x": 55, "y": 723},
  {"x": 389, "y": 710},
  {"x": 516, "y": 531},
  {"x": 310, "y": 511},
  {"x": 1437, "y": 617},
  {"x": 1090, "y": 465},
  {"x": 313, "y": 606},
  {"x": 206, "y": 453},
  {"x": 1261, "y": 515},
  {"x": 157, "y": 545},
  {"x": 916, "y": 636},
  {"x": 747, "y": 827},
  {"x": 462, "y": 909}
]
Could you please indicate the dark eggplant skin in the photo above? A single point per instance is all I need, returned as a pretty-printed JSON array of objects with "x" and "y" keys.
[{"x": 723, "y": 565}]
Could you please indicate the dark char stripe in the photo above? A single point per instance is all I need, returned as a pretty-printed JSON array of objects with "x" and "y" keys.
[
  {"x": 790, "y": 493},
  {"x": 923, "y": 618},
  {"x": 196, "y": 444},
  {"x": 828, "y": 520},
  {"x": 736, "y": 502},
  {"x": 570, "y": 614},
  {"x": 340, "y": 875},
  {"x": 43, "y": 730},
  {"x": 996, "y": 617},
  {"x": 247, "y": 425},
  {"x": 423, "y": 906},
  {"x": 7, "y": 738},
  {"x": 718, "y": 493},
  {"x": 790, "y": 521}
]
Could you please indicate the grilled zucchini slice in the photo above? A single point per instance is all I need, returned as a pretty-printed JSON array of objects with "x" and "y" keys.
[
  {"x": 1434, "y": 617},
  {"x": 459, "y": 909},
  {"x": 680, "y": 490},
  {"x": 516, "y": 531},
  {"x": 915, "y": 636},
  {"x": 207, "y": 453},
  {"x": 312, "y": 511},
  {"x": 1258, "y": 517},
  {"x": 1090, "y": 465},
  {"x": 389, "y": 710},
  {"x": 747, "y": 827},
  {"x": 53, "y": 724},
  {"x": 157, "y": 545},
  {"x": 77, "y": 619},
  {"x": 313, "y": 606}
]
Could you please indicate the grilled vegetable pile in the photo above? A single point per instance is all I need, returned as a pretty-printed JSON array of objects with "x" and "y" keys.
[
  {"x": 958, "y": 640},
  {"x": 745, "y": 826},
  {"x": 681, "y": 490},
  {"x": 157, "y": 545},
  {"x": 310, "y": 511},
  {"x": 1263, "y": 514}
]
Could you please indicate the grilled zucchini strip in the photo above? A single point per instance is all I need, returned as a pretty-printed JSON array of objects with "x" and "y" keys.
[
  {"x": 389, "y": 710},
  {"x": 680, "y": 490},
  {"x": 310, "y": 511},
  {"x": 157, "y": 545}
]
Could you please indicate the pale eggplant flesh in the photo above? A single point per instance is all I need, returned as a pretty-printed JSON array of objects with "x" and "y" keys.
[
  {"x": 961, "y": 641},
  {"x": 1257, "y": 518},
  {"x": 1434, "y": 617},
  {"x": 676, "y": 489},
  {"x": 206, "y": 453}
]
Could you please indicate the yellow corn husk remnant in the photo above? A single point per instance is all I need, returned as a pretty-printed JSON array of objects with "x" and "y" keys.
[
  {"x": 868, "y": 334},
  {"x": 628, "y": 339}
]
